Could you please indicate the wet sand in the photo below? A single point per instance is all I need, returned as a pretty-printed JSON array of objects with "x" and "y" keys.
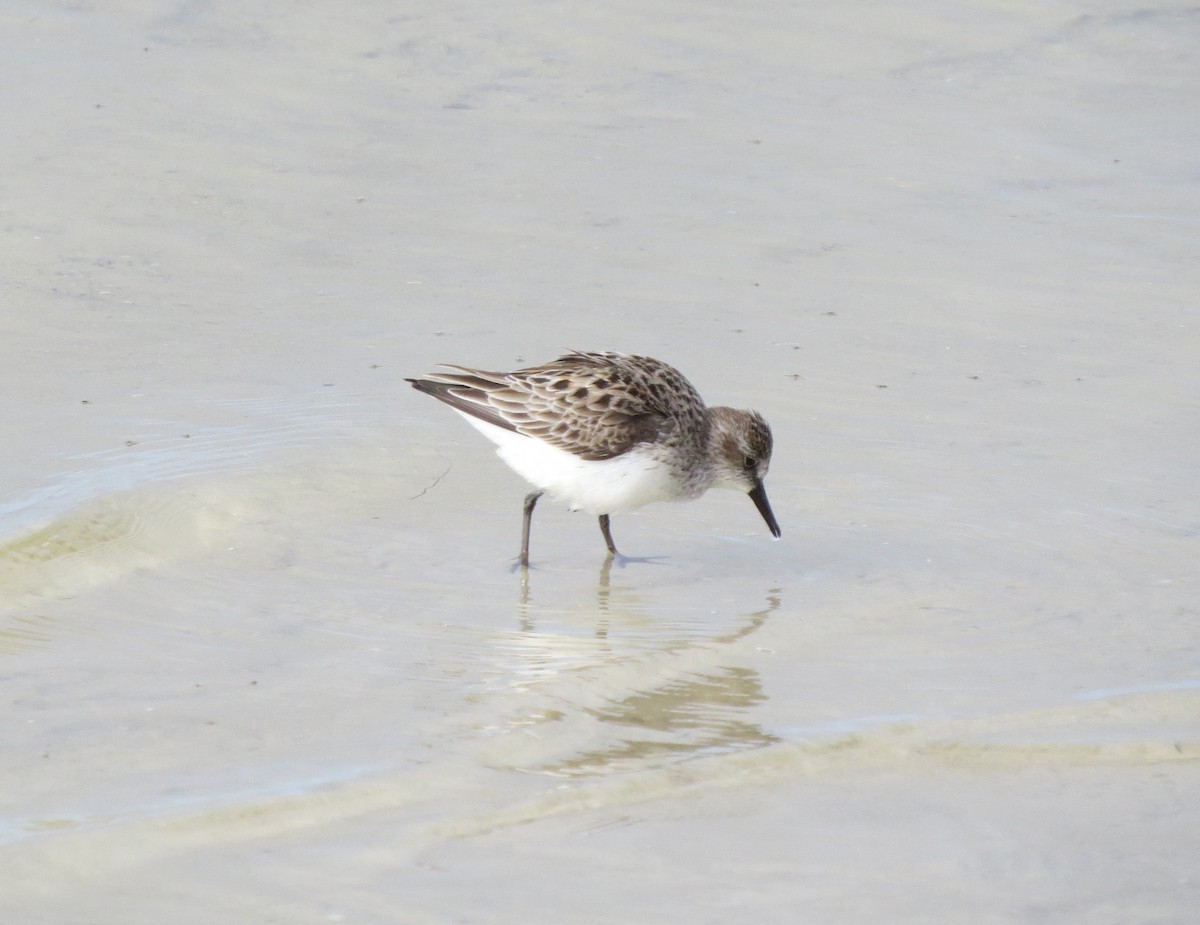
[{"x": 264, "y": 650}]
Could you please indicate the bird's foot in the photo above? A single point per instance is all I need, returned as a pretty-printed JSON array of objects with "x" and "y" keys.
[{"x": 623, "y": 560}]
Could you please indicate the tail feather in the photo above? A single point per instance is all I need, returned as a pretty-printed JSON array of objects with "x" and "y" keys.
[{"x": 462, "y": 398}]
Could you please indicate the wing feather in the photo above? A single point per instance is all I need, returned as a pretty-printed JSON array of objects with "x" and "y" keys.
[{"x": 594, "y": 405}]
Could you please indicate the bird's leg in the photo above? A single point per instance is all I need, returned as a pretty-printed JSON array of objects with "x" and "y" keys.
[
  {"x": 608, "y": 540},
  {"x": 530, "y": 502}
]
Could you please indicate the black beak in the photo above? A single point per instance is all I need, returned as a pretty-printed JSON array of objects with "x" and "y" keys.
[{"x": 759, "y": 496}]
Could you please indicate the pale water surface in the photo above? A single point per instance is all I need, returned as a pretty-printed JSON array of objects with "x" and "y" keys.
[{"x": 264, "y": 655}]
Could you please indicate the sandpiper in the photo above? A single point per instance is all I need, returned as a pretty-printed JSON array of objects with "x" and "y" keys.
[{"x": 608, "y": 433}]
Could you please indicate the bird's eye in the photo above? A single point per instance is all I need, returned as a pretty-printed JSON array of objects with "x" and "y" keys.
[{"x": 750, "y": 463}]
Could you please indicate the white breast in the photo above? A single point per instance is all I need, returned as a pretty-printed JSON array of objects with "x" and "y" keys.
[{"x": 605, "y": 486}]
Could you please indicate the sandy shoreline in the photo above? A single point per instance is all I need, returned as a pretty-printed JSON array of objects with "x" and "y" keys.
[{"x": 265, "y": 653}]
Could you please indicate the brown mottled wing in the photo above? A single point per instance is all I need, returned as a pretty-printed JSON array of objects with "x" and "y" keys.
[{"x": 594, "y": 405}]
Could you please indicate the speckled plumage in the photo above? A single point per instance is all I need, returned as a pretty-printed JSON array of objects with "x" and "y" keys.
[{"x": 609, "y": 432}]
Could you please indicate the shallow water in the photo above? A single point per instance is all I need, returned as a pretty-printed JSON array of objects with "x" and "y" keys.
[{"x": 265, "y": 650}]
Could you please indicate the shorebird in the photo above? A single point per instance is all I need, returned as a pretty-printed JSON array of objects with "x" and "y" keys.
[{"x": 608, "y": 433}]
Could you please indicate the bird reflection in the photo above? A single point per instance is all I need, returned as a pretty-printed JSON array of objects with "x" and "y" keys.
[
  {"x": 525, "y": 607},
  {"x": 691, "y": 703},
  {"x": 700, "y": 713}
]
